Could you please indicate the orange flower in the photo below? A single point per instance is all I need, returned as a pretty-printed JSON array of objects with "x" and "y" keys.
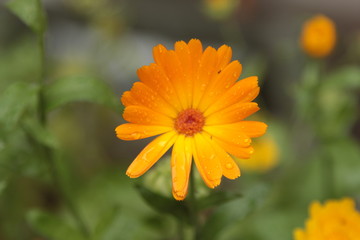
[
  {"x": 318, "y": 36},
  {"x": 192, "y": 99},
  {"x": 335, "y": 220}
]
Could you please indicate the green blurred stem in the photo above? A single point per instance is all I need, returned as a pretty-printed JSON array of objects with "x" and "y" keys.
[
  {"x": 41, "y": 42},
  {"x": 48, "y": 152},
  {"x": 328, "y": 174},
  {"x": 194, "y": 218},
  {"x": 181, "y": 229},
  {"x": 59, "y": 186}
]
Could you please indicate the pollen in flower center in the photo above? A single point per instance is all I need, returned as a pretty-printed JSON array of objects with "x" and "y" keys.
[{"x": 189, "y": 122}]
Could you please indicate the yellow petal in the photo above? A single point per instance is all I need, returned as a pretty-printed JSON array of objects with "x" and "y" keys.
[
  {"x": 175, "y": 73},
  {"x": 145, "y": 116},
  {"x": 299, "y": 234},
  {"x": 195, "y": 48},
  {"x": 159, "y": 53},
  {"x": 155, "y": 78},
  {"x": 224, "y": 57},
  {"x": 151, "y": 99},
  {"x": 181, "y": 166},
  {"x": 127, "y": 99},
  {"x": 251, "y": 129},
  {"x": 206, "y": 162},
  {"x": 220, "y": 84},
  {"x": 183, "y": 53},
  {"x": 229, "y": 168},
  {"x": 129, "y": 131},
  {"x": 230, "y": 135},
  {"x": 206, "y": 72},
  {"x": 151, "y": 154},
  {"x": 232, "y": 114},
  {"x": 238, "y": 151},
  {"x": 244, "y": 90}
]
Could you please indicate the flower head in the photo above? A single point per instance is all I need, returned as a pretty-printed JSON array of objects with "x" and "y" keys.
[
  {"x": 335, "y": 220},
  {"x": 318, "y": 36},
  {"x": 192, "y": 99}
]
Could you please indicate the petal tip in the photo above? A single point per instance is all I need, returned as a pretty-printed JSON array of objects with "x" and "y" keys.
[
  {"x": 179, "y": 196},
  {"x": 131, "y": 175}
]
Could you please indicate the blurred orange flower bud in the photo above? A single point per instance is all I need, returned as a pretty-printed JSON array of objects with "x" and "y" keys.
[{"x": 318, "y": 36}]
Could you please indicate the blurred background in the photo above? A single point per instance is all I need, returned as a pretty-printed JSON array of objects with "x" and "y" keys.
[{"x": 311, "y": 105}]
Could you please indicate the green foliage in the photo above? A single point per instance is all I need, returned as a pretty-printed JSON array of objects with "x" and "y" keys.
[
  {"x": 231, "y": 212},
  {"x": 328, "y": 101},
  {"x": 52, "y": 227},
  {"x": 15, "y": 100},
  {"x": 164, "y": 204},
  {"x": 40, "y": 133},
  {"x": 2, "y": 186},
  {"x": 79, "y": 88},
  {"x": 346, "y": 154},
  {"x": 105, "y": 221},
  {"x": 346, "y": 77},
  {"x": 216, "y": 199},
  {"x": 30, "y": 12},
  {"x": 21, "y": 54}
]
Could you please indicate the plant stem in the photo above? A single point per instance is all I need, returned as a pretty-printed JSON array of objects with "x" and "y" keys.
[
  {"x": 61, "y": 189},
  {"x": 193, "y": 206},
  {"x": 48, "y": 152},
  {"x": 328, "y": 175},
  {"x": 181, "y": 229},
  {"x": 42, "y": 114}
]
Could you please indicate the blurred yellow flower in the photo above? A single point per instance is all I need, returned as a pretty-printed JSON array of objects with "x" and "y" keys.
[
  {"x": 265, "y": 157},
  {"x": 318, "y": 36},
  {"x": 192, "y": 98},
  {"x": 220, "y": 9},
  {"x": 336, "y": 220}
]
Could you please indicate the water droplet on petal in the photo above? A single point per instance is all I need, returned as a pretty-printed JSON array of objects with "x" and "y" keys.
[
  {"x": 229, "y": 165},
  {"x": 136, "y": 135}
]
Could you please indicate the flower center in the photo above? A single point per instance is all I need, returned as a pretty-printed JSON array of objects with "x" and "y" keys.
[{"x": 189, "y": 122}]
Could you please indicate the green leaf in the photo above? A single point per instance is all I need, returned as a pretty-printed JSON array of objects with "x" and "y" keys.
[
  {"x": 52, "y": 227},
  {"x": 30, "y": 12},
  {"x": 163, "y": 204},
  {"x": 345, "y": 154},
  {"x": 15, "y": 100},
  {"x": 79, "y": 88},
  {"x": 2, "y": 186},
  {"x": 106, "y": 221},
  {"x": 216, "y": 199},
  {"x": 233, "y": 211},
  {"x": 347, "y": 77},
  {"x": 40, "y": 133}
]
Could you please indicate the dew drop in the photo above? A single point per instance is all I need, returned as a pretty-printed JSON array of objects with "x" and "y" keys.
[
  {"x": 136, "y": 135},
  {"x": 229, "y": 165}
]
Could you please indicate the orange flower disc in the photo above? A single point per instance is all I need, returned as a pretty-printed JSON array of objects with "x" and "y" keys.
[{"x": 189, "y": 122}]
